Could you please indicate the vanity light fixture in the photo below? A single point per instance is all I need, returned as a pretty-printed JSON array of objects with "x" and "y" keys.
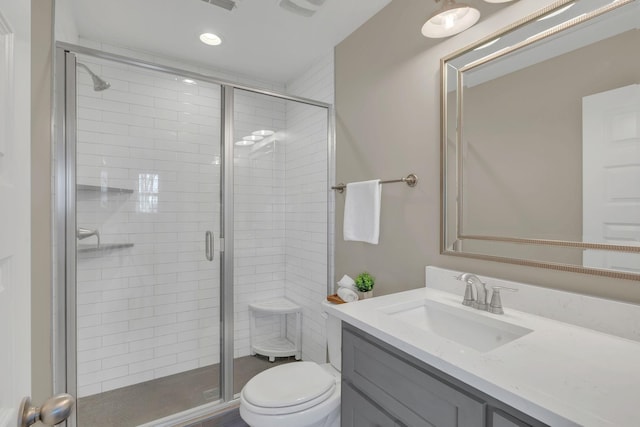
[
  {"x": 210, "y": 39},
  {"x": 452, "y": 18}
]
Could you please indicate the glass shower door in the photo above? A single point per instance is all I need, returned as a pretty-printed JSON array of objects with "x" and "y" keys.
[
  {"x": 280, "y": 160},
  {"x": 148, "y": 203}
]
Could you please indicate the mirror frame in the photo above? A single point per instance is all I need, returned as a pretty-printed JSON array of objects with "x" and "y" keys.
[{"x": 447, "y": 217}]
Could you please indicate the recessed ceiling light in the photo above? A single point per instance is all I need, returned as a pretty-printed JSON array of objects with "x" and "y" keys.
[
  {"x": 210, "y": 39},
  {"x": 263, "y": 132},
  {"x": 244, "y": 143},
  {"x": 253, "y": 138},
  {"x": 188, "y": 81}
]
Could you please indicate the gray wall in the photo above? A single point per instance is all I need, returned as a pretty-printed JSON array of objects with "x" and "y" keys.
[{"x": 388, "y": 124}]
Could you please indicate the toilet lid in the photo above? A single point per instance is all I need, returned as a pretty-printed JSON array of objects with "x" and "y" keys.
[{"x": 287, "y": 385}]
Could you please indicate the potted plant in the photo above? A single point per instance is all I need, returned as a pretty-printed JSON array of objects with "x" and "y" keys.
[{"x": 364, "y": 283}]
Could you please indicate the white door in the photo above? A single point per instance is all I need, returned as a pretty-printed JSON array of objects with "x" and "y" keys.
[
  {"x": 15, "y": 360},
  {"x": 611, "y": 176}
]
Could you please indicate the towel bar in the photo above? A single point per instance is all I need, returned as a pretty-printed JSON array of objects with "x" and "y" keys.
[{"x": 411, "y": 180}]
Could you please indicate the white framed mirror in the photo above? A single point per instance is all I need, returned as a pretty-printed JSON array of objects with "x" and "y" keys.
[{"x": 541, "y": 141}]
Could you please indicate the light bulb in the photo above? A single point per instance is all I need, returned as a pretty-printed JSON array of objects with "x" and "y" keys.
[{"x": 210, "y": 39}]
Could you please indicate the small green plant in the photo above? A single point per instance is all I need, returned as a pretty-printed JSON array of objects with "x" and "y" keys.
[{"x": 365, "y": 282}]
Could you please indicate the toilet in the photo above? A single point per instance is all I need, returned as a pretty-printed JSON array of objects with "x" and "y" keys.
[{"x": 300, "y": 394}]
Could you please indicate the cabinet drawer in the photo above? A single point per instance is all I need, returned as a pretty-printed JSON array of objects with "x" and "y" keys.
[
  {"x": 358, "y": 411},
  {"x": 407, "y": 391}
]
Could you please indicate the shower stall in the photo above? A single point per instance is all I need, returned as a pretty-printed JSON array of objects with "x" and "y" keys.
[{"x": 180, "y": 200}]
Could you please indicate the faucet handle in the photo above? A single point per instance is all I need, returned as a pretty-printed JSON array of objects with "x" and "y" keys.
[
  {"x": 495, "y": 306},
  {"x": 468, "y": 293}
]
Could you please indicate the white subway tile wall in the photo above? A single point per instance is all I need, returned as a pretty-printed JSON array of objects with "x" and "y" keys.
[
  {"x": 307, "y": 198},
  {"x": 152, "y": 309},
  {"x": 259, "y": 223}
]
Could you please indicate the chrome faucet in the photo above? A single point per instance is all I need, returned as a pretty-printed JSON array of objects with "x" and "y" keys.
[{"x": 480, "y": 300}]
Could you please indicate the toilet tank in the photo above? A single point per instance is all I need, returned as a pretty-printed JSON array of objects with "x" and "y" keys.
[{"x": 334, "y": 338}]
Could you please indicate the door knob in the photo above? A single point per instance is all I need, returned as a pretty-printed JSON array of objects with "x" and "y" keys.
[{"x": 55, "y": 410}]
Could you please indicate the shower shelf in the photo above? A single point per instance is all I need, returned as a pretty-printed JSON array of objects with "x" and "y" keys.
[
  {"x": 99, "y": 189},
  {"x": 105, "y": 247},
  {"x": 278, "y": 346}
]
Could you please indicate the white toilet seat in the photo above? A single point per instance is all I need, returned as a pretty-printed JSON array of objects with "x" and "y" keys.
[
  {"x": 286, "y": 410},
  {"x": 280, "y": 390},
  {"x": 324, "y": 414}
]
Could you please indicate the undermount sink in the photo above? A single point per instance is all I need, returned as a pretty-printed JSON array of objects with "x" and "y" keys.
[{"x": 460, "y": 325}]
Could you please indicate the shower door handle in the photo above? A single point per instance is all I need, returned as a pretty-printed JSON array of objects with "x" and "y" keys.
[{"x": 208, "y": 245}]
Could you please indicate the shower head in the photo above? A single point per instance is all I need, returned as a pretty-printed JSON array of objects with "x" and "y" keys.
[{"x": 98, "y": 83}]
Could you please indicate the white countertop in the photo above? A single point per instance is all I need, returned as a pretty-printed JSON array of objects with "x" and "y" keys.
[{"x": 560, "y": 374}]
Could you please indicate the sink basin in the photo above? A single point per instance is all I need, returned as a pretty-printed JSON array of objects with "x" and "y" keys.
[{"x": 460, "y": 325}]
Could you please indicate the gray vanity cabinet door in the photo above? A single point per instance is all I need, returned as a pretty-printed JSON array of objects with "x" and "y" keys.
[
  {"x": 498, "y": 418},
  {"x": 358, "y": 411},
  {"x": 405, "y": 390}
]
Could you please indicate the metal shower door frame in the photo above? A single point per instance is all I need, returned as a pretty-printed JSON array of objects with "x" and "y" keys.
[{"x": 64, "y": 345}]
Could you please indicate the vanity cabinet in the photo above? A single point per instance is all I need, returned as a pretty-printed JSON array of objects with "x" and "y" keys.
[
  {"x": 362, "y": 411},
  {"x": 498, "y": 418},
  {"x": 383, "y": 386}
]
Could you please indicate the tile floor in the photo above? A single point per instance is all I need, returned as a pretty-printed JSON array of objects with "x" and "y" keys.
[{"x": 141, "y": 403}]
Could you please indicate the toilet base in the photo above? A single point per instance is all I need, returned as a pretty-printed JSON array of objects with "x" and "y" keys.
[{"x": 286, "y": 421}]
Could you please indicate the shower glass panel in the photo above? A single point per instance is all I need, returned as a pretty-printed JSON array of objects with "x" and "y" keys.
[
  {"x": 280, "y": 229},
  {"x": 148, "y": 162}
]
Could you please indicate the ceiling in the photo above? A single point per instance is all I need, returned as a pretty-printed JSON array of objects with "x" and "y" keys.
[
  {"x": 260, "y": 39},
  {"x": 276, "y": 44}
]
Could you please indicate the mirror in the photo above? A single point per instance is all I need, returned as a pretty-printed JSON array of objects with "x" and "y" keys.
[{"x": 541, "y": 142}]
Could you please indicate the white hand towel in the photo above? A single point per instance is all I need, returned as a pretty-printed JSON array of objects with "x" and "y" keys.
[
  {"x": 347, "y": 295},
  {"x": 347, "y": 282},
  {"x": 362, "y": 211}
]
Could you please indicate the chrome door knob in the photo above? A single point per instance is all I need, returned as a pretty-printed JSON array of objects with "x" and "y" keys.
[{"x": 54, "y": 411}]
